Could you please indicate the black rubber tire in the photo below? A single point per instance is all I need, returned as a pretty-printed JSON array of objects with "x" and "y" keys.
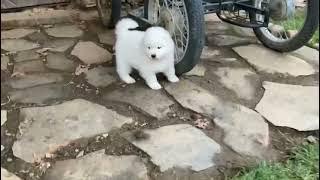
[
  {"x": 109, "y": 16},
  {"x": 310, "y": 26},
  {"x": 196, "y": 35}
]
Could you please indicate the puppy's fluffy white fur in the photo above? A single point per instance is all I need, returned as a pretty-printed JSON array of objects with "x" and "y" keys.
[{"x": 150, "y": 52}]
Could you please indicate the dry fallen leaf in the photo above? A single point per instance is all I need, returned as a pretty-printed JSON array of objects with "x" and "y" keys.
[
  {"x": 201, "y": 123},
  {"x": 18, "y": 74},
  {"x": 81, "y": 69}
]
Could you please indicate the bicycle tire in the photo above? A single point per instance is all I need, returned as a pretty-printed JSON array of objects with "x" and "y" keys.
[
  {"x": 310, "y": 26},
  {"x": 196, "y": 35}
]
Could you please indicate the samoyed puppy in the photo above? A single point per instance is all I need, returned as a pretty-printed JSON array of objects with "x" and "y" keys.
[{"x": 149, "y": 52}]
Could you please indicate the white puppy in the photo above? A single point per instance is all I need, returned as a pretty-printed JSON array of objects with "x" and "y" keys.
[{"x": 149, "y": 52}]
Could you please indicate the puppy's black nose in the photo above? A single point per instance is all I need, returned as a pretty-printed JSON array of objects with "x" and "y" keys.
[{"x": 153, "y": 56}]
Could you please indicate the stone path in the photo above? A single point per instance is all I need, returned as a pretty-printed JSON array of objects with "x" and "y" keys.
[
  {"x": 260, "y": 57},
  {"x": 7, "y": 175},
  {"x": 44, "y": 129},
  {"x": 66, "y": 115},
  {"x": 238, "y": 80},
  {"x": 292, "y": 109},
  {"x": 178, "y": 146},
  {"x": 97, "y": 165},
  {"x": 97, "y": 55}
]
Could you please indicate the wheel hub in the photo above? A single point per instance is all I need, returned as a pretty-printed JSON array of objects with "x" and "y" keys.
[{"x": 281, "y": 9}]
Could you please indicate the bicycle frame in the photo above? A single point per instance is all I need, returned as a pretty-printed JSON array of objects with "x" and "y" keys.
[
  {"x": 210, "y": 6},
  {"x": 214, "y": 6},
  {"x": 217, "y": 6}
]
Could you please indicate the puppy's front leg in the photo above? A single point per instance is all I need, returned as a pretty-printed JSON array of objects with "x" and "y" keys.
[
  {"x": 151, "y": 80},
  {"x": 124, "y": 73},
  {"x": 171, "y": 75}
]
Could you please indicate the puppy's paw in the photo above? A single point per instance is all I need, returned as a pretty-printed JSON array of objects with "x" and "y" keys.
[
  {"x": 173, "y": 79},
  {"x": 155, "y": 86},
  {"x": 128, "y": 80}
]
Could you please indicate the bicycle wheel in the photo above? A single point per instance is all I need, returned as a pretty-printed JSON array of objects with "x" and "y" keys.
[
  {"x": 185, "y": 21},
  {"x": 109, "y": 11},
  {"x": 291, "y": 26}
]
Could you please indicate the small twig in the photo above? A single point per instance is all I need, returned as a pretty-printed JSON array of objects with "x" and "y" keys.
[{"x": 2, "y": 104}]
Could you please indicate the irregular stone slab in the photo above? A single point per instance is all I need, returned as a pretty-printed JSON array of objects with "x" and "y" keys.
[
  {"x": 241, "y": 31},
  {"x": 88, "y": 15},
  {"x": 245, "y": 131},
  {"x": 39, "y": 37},
  {"x": 3, "y": 116},
  {"x": 153, "y": 102},
  {"x": 69, "y": 31},
  {"x": 90, "y": 53},
  {"x": 179, "y": 145},
  {"x": 34, "y": 80},
  {"x": 222, "y": 59},
  {"x": 308, "y": 54},
  {"x": 292, "y": 33},
  {"x": 273, "y": 62},
  {"x": 59, "y": 45},
  {"x": 227, "y": 115},
  {"x": 291, "y": 106},
  {"x": 107, "y": 37},
  {"x": 98, "y": 165},
  {"x": 16, "y": 33},
  {"x": 198, "y": 70},
  {"x": 228, "y": 59},
  {"x": 26, "y": 55},
  {"x": 228, "y": 40},
  {"x": 216, "y": 27},
  {"x": 238, "y": 80},
  {"x": 35, "y": 18},
  {"x": 193, "y": 97},
  {"x": 86, "y": 3},
  {"x": 4, "y": 62},
  {"x": 276, "y": 29},
  {"x": 101, "y": 76},
  {"x": 29, "y": 67},
  {"x": 40, "y": 94},
  {"x": 60, "y": 62},
  {"x": 43, "y": 129},
  {"x": 300, "y": 3},
  {"x": 14, "y": 45},
  {"x": 209, "y": 53},
  {"x": 6, "y": 175},
  {"x": 211, "y": 17}
]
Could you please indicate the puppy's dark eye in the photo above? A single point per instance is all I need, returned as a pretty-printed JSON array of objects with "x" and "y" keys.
[
  {"x": 149, "y": 47},
  {"x": 159, "y": 47}
]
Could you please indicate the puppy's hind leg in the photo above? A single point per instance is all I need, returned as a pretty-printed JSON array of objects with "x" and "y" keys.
[
  {"x": 124, "y": 71},
  {"x": 171, "y": 75}
]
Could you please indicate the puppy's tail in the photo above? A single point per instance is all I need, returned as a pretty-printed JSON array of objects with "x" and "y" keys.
[{"x": 124, "y": 25}]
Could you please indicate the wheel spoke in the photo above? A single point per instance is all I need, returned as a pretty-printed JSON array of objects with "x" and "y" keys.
[{"x": 176, "y": 22}]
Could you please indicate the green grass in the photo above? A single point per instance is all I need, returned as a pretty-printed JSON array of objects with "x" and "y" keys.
[
  {"x": 296, "y": 23},
  {"x": 315, "y": 37},
  {"x": 303, "y": 164}
]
